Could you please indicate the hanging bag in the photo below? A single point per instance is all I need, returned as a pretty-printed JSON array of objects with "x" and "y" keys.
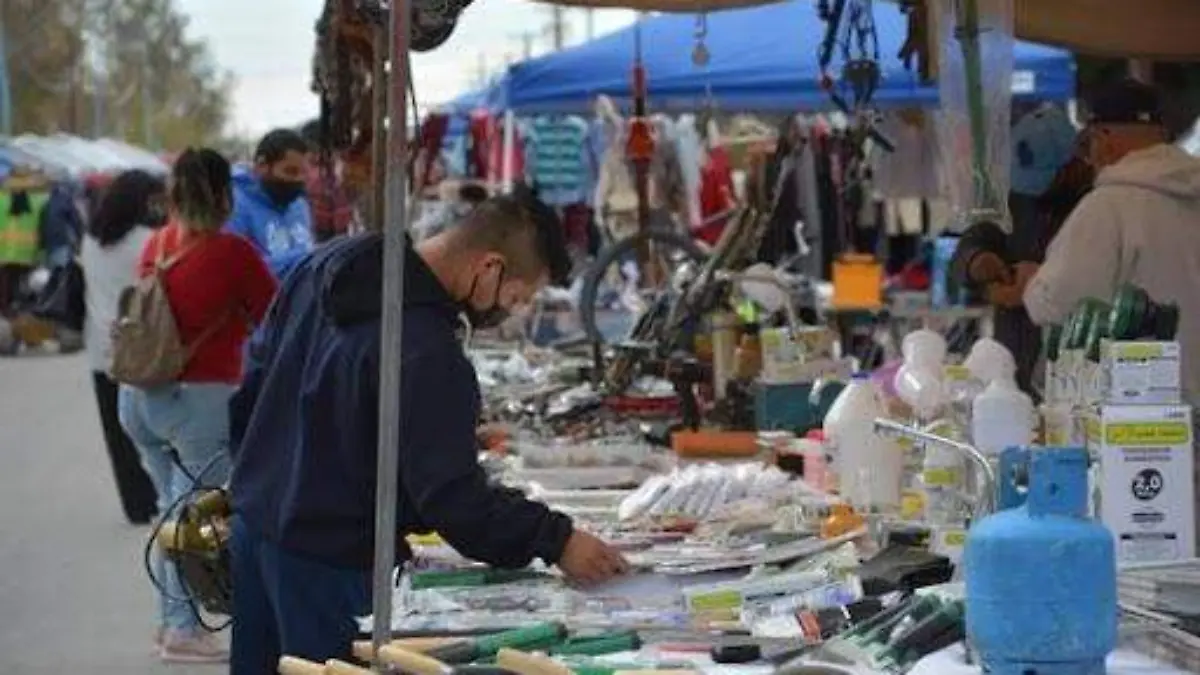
[
  {"x": 62, "y": 300},
  {"x": 147, "y": 348}
]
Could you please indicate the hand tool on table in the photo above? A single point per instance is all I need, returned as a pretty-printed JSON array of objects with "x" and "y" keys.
[
  {"x": 537, "y": 636},
  {"x": 472, "y": 577},
  {"x": 525, "y": 663},
  {"x": 364, "y": 650},
  {"x": 599, "y": 644},
  {"x": 942, "y": 628},
  {"x": 420, "y": 664},
  {"x": 290, "y": 665}
]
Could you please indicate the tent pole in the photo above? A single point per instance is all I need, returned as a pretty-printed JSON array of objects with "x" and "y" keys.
[
  {"x": 394, "y": 235},
  {"x": 506, "y": 181}
]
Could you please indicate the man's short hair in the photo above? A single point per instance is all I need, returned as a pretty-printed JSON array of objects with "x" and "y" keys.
[
  {"x": 277, "y": 144},
  {"x": 524, "y": 230}
]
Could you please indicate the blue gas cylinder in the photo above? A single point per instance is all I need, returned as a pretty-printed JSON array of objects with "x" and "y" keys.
[{"x": 1041, "y": 578}]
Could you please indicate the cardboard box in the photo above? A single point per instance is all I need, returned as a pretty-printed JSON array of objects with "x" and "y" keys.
[
  {"x": 1141, "y": 373},
  {"x": 1144, "y": 485}
]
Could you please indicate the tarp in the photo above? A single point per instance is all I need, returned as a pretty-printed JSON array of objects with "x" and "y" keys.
[
  {"x": 1165, "y": 30},
  {"x": 761, "y": 59}
]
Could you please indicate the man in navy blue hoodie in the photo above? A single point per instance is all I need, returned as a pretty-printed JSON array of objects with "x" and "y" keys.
[{"x": 304, "y": 433}]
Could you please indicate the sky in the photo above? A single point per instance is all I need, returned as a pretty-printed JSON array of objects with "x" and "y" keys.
[{"x": 268, "y": 44}]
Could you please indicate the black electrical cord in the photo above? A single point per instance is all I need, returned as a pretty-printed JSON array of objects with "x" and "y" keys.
[{"x": 148, "y": 551}]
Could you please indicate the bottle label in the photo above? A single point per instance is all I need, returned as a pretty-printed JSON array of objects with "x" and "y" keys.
[{"x": 939, "y": 477}]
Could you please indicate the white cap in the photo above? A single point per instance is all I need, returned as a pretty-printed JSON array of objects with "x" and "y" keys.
[{"x": 989, "y": 360}]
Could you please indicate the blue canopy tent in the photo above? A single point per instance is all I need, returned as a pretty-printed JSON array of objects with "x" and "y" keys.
[{"x": 762, "y": 59}]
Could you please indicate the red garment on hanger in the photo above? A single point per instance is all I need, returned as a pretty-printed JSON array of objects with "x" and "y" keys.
[
  {"x": 486, "y": 157},
  {"x": 716, "y": 195},
  {"x": 431, "y": 136}
]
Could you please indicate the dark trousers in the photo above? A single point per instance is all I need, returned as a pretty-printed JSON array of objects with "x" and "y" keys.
[
  {"x": 284, "y": 604},
  {"x": 138, "y": 498}
]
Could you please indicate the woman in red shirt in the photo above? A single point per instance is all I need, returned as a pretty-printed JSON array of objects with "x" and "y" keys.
[{"x": 219, "y": 288}]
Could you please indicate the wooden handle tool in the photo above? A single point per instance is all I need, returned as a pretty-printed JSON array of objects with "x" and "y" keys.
[
  {"x": 412, "y": 662},
  {"x": 336, "y": 667},
  {"x": 525, "y": 663},
  {"x": 290, "y": 665},
  {"x": 364, "y": 650}
]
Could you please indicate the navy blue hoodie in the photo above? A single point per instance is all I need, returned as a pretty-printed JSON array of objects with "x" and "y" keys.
[{"x": 305, "y": 422}]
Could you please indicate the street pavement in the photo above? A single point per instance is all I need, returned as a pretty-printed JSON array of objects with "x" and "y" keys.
[{"x": 73, "y": 594}]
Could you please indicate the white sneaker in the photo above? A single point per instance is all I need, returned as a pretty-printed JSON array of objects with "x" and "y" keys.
[{"x": 192, "y": 646}]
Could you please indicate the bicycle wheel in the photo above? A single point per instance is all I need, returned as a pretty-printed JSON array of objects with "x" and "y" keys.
[{"x": 670, "y": 247}]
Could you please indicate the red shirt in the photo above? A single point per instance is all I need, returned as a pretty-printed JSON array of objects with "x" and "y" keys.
[
  {"x": 219, "y": 278},
  {"x": 332, "y": 204}
]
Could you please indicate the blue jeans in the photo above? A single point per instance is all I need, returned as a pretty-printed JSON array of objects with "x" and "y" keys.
[
  {"x": 288, "y": 604},
  {"x": 182, "y": 435}
]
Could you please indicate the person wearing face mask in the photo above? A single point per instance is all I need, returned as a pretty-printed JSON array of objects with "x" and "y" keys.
[
  {"x": 305, "y": 427},
  {"x": 269, "y": 205}
]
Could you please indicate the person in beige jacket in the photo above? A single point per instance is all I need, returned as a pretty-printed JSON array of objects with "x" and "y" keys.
[{"x": 1140, "y": 224}]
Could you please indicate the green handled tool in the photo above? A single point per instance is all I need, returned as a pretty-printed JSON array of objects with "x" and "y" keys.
[
  {"x": 537, "y": 636},
  {"x": 472, "y": 578},
  {"x": 600, "y": 644}
]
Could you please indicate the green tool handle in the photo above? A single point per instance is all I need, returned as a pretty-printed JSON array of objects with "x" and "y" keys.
[
  {"x": 470, "y": 578},
  {"x": 599, "y": 645},
  {"x": 530, "y": 636}
]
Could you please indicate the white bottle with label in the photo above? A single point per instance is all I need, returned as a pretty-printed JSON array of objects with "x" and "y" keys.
[
  {"x": 1002, "y": 416},
  {"x": 870, "y": 466}
]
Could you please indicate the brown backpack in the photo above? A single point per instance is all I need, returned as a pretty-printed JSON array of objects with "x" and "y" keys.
[{"x": 147, "y": 349}]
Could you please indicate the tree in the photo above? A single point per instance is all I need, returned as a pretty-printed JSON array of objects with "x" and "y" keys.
[{"x": 123, "y": 68}]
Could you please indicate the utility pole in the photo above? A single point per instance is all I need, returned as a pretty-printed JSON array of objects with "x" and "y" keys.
[
  {"x": 558, "y": 27},
  {"x": 526, "y": 39},
  {"x": 590, "y": 18}
]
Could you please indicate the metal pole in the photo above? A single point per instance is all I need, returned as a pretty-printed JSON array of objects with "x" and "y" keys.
[
  {"x": 379, "y": 155},
  {"x": 6, "y": 102},
  {"x": 394, "y": 246}
]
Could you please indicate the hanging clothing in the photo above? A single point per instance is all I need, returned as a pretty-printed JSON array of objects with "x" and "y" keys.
[
  {"x": 558, "y": 164},
  {"x": 595, "y": 145},
  {"x": 690, "y": 150},
  {"x": 910, "y": 172},
  {"x": 486, "y": 155},
  {"x": 716, "y": 195}
]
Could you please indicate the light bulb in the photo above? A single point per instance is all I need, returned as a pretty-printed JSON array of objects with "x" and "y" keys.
[
  {"x": 924, "y": 347},
  {"x": 921, "y": 388},
  {"x": 990, "y": 360}
]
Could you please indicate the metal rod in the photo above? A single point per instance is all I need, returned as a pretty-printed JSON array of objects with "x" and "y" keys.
[
  {"x": 987, "y": 500},
  {"x": 394, "y": 247},
  {"x": 375, "y": 196}
]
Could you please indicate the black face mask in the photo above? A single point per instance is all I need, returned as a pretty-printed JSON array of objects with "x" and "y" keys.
[
  {"x": 282, "y": 192},
  {"x": 483, "y": 319}
]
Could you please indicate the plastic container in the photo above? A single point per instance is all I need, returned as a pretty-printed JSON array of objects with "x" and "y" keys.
[
  {"x": 1002, "y": 417},
  {"x": 869, "y": 466}
]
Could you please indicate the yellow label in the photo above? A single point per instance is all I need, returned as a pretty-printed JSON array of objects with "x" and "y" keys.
[
  {"x": 1091, "y": 430},
  {"x": 431, "y": 539},
  {"x": 912, "y": 505},
  {"x": 954, "y": 538},
  {"x": 940, "y": 477},
  {"x": 1138, "y": 350},
  {"x": 956, "y": 374},
  {"x": 1149, "y": 434},
  {"x": 715, "y": 601}
]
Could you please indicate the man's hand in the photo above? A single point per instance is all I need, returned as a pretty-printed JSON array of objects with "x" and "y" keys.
[
  {"x": 988, "y": 268},
  {"x": 587, "y": 560},
  {"x": 1011, "y": 294}
]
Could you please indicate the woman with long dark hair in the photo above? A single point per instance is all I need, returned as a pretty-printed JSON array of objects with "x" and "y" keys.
[
  {"x": 132, "y": 208},
  {"x": 218, "y": 288}
]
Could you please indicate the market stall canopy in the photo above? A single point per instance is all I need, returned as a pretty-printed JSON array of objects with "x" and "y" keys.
[
  {"x": 1166, "y": 30},
  {"x": 762, "y": 59}
]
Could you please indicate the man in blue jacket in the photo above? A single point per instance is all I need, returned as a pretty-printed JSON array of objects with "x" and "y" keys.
[
  {"x": 304, "y": 432},
  {"x": 269, "y": 206}
]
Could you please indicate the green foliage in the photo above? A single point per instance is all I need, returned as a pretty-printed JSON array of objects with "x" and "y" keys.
[{"x": 162, "y": 87}]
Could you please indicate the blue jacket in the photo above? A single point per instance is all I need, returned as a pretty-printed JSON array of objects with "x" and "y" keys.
[
  {"x": 304, "y": 424},
  {"x": 282, "y": 236}
]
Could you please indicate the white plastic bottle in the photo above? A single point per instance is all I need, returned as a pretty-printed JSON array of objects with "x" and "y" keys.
[
  {"x": 870, "y": 467},
  {"x": 1002, "y": 416}
]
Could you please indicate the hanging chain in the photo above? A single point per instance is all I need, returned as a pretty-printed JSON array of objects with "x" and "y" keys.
[{"x": 700, "y": 54}]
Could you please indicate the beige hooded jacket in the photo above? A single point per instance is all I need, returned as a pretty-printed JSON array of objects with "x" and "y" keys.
[{"x": 1140, "y": 224}]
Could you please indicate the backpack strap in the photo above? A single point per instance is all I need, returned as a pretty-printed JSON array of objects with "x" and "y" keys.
[{"x": 163, "y": 262}]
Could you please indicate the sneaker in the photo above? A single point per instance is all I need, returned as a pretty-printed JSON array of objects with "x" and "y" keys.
[{"x": 192, "y": 646}]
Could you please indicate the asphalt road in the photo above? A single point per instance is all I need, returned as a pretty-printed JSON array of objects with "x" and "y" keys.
[{"x": 73, "y": 596}]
